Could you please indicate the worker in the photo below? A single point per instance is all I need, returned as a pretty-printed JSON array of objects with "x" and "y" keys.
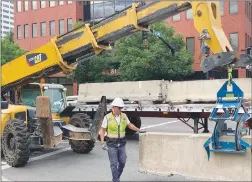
[{"x": 115, "y": 144}]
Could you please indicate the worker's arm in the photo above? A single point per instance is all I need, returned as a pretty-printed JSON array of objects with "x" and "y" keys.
[
  {"x": 133, "y": 127},
  {"x": 103, "y": 129}
]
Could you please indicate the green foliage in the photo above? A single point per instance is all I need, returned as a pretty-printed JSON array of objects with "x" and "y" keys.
[
  {"x": 78, "y": 24},
  {"x": 10, "y": 50},
  {"x": 137, "y": 63}
]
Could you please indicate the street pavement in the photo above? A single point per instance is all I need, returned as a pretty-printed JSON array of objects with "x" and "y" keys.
[{"x": 61, "y": 164}]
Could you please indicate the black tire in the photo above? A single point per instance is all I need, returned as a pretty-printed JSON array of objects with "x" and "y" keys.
[
  {"x": 81, "y": 121},
  {"x": 16, "y": 143},
  {"x": 135, "y": 121}
]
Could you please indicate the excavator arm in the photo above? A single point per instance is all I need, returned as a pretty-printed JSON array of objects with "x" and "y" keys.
[{"x": 63, "y": 53}]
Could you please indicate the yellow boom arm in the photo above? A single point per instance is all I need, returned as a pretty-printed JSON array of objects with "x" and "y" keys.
[{"x": 63, "y": 52}]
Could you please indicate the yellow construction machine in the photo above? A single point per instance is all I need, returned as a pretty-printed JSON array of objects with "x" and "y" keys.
[{"x": 21, "y": 125}]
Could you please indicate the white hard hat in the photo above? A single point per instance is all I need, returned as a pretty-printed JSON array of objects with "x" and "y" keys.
[{"x": 118, "y": 102}]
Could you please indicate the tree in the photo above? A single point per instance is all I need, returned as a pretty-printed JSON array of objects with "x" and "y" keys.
[
  {"x": 136, "y": 63},
  {"x": 9, "y": 49},
  {"x": 156, "y": 62}
]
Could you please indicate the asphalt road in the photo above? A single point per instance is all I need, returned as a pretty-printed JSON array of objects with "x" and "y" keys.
[{"x": 61, "y": 164}]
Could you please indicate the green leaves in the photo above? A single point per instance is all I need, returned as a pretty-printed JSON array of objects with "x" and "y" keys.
[
  {"x": 136, "y": 63},
  {"x": 10, "y": 50}
]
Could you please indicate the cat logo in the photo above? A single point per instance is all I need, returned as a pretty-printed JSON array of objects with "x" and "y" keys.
[{"x": 35, "y": 58}]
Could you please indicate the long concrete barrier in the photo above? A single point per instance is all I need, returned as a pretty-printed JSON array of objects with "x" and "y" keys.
[
  {"x": 160, "y": 90},
  {"x": 184, "y": 154}
]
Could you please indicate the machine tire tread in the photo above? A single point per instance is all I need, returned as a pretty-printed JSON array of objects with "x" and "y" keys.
[
  {"x": 21, "y": 155},
  {"x": 81, "y": 147}
]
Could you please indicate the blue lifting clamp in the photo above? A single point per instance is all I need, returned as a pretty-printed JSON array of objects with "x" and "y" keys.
[{"x": 230, "y": 106}]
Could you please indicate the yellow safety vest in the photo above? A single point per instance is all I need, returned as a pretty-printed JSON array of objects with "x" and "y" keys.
[{"x": 113, "y": 126}]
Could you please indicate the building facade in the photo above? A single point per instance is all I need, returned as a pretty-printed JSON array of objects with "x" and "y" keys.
[
  {"x": 236, "y": 19},
  {"x": 7, "y": 17}
]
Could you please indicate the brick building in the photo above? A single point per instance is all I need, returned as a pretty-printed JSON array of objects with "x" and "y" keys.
[{"x": 237, "y": 24}]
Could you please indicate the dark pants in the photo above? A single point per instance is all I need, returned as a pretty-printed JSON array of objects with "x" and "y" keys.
[{"x": 117, "y": 157}]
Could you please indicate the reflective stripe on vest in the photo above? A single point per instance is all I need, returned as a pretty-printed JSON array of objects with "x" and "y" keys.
[{"x": 113, "y": 126}]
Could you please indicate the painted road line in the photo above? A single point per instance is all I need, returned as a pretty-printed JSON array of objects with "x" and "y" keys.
[
  {"x": 161, "y": 124},
  {"x": 41, "y": 156},
  {"x": 4, "y": 179}
]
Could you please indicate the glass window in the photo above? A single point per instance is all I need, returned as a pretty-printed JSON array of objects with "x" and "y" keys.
[
  {"x": 26, "y": 4},
  {"x": 129, "y": 3},
  {"x": 234, "y": 41},
  {"x": 34, "y": 4},
  {"x": 42, "y": 4},
  {"x": 51, "y": 3},
  {"x": 119, "y": 5},
  {"x": 34, "y": 30},
  {"x": 176, "y": 17},
  {"x": 189, "y": 14},
  {"x": 19, "y": 6},
  {"x": 109, "y": 8},
  {"x": 69, "y": 24},
  {"x": 61, "y": 2},
  {"x": 61, "y": 27},
  {"x": 190, "y": 45},
  {"x": 97, "y": 11},
  {"x": 5, "y": 11},
  {"x": 43, "y": 28},
  {"x": 26, "y": 31},
  {"x": 233, "y": 6},
  {"x": 221, "y": 7},
  {"x": 18, "y": 32},
  {"x": 69, "y": 2},
  {"x": 52, "y": 27}
]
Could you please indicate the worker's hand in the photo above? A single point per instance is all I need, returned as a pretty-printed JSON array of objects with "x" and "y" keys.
[
  {"x": 142, "y": 131},
  {"x": 104, "y": 146}
]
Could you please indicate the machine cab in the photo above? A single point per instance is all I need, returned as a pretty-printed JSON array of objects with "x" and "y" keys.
[{"x": 56, "y": 93}]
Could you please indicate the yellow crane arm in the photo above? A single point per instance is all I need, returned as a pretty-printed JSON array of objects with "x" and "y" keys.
[{"x": 63, "y": 52}]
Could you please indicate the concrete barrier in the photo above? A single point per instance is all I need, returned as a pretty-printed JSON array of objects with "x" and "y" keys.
[
  {"x": 203, "y": 90},
  {"x": 184, "y": 154},
  {"x": 135, "y": 90},
  {"x": 159, "y": 90}
]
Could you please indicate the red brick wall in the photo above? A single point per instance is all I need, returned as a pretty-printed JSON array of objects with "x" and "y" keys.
[
  {"x": 231, "y": 24},
  {"x": 39, "y": 15}
]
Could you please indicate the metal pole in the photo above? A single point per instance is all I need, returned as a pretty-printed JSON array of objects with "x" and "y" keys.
[
  {"x": 196, "y": 121},
  {"x": 206, "y": 125}
]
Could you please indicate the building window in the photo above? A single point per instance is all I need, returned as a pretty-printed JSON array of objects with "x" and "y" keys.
[
  {"x": 221, "y": 7},
  {"x": 109, "y": 8},
  {"x": 26, "y": 31},
  {"x": 190, "y": 45},
  {"x": 42, "y": 4},
  {"x": 233, "y": 6},
  {"x": 43, "y": 28},
  {"x": 18, "y": 32},
  {"x": 61, "y": 2},
  {"x": 34, "y": 4},
  {"x": 69, "y": 24},
  {"x": 26, "y": 4},
  {"x": 234, "y": 41},
  {"x": 176, "y": 17},
  {"x": 34, "y": 30},
  {"x": 52, "y": 27},
  {"x": 19, "y": 6},
  {"x": 69, "y": 2},
  {"x": 189, "y": 14},
  {"x": 61, "y": 27},
  {"x": 51, "y": 3}
]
